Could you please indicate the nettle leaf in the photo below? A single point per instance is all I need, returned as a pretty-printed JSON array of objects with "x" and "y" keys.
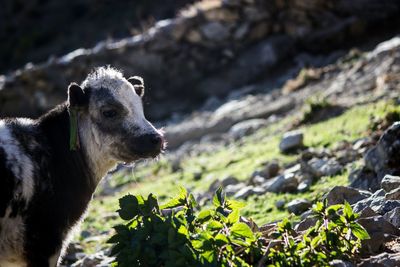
[
  {"x": 177, "y": 201},
  {"x": 221, "y": 239},
  {"x": 204, "y": 215},
  {"x": 359, "y": 231},
  {"x": 240, "y": 229},
  {"x": 219, "y": 198},
  {"x": 234, "y": 204},
  {"x": 214, "y": 225},
  {"x": 233, "y": 217},
  {"x": 347, "y": 210},
  {"x": 128, "y": 207}
]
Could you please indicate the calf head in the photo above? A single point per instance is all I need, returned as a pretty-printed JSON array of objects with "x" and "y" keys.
[{"x": 111, "y": 108}]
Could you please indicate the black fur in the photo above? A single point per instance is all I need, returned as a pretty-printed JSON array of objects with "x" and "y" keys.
[{"x": 63, "y": 185}]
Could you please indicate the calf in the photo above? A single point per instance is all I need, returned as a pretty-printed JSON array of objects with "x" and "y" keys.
[{"x": 50, "y": 167}]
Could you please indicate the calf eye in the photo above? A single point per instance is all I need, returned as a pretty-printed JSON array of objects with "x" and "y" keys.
[{"x": 111, "y": 113}]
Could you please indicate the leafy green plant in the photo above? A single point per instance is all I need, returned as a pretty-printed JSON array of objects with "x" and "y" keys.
[
  {"x": 175, "y": 234},
  {"x": 171, "y": 234},
  {"x": 336, "y": 235}
]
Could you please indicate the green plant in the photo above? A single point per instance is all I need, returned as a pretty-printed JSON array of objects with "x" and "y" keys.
[
  {"x": 174, "y": 234},
  {"x": 336, "y": 235}
]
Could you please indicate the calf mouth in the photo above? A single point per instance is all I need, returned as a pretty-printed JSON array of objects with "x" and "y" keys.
[{"x": 143, "y": 147}]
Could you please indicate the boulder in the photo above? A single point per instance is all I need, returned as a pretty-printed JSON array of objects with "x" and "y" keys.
[
  {"x": 339, "y": 194},
  {"x": 246, "y": 127},
  {"x": 325, "y": 167},
  {"x": 247, "y": 191},
  {"x": 384, "y": 158},
  {"x": 298, "y": 206},
  {"x": 390, "y": 182},
  {"x": 291, "y": 141},
  {"x": 382, "y": 260},
  {"x": 393, "y": 217},
  {"x": 380, "y": 231},
  {"x": 281, "y": 183}
]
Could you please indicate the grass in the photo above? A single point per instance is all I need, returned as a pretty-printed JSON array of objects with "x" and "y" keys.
[{"x": 239, "y": 159}]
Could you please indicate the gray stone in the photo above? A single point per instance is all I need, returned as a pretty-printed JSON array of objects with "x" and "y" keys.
[
  {"x": 364, "y": 179},
  {"x": 393, "y": 195},
  {"x": 298, "y": 206},
  {"x": 382, "y": 260},
  {"x": 215, "y": 31},
  {"x": 281, "y": 183},
  {"x": 291, "y": 141},
  {"x": 380, "y": 231},
  {"x": 386, "y": 206},
  {"x": 390, "y": 182},
  {"x": 384, "y": 158},
  {"x": 231, "y": 190},
  {"x": 280, "y": 204},
  {"x": 393, "y": 217},
  {"x": 339, "y": 194},
  {"x": 341, "y": 263},
  {"x": 246, "y": 127},
  {"x": 230, "y": 180},
  {"x": 325, "y": 167},
  {"x": 304, "y": 185},
  {"x": 257, "y": 180},
  {"x": 249, "y": 191}
]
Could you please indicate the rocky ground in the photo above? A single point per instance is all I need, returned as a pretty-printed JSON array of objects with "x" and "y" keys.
[
  {"x": 331, "y": 133},
  {"x": 282, "y": 103}
]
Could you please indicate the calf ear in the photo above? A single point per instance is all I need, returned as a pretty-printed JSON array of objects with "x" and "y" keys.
[
  {"x": 138, "y": 85},
  {"x": 76, "y": 96}
]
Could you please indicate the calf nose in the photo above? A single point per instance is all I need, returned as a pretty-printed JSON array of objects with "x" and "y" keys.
[{"x": 155, "y": 139}]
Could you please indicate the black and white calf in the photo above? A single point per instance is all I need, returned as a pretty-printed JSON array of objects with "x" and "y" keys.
[{"x": 50, "y": 167}]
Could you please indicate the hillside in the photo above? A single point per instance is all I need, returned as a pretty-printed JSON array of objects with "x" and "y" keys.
[{"x": 282, "y": 104}]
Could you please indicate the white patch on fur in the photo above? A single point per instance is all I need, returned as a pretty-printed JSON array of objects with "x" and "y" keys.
[{"x": 19, "y": 163}]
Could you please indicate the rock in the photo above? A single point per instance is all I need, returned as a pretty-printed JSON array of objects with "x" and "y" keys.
[
  {"x": 281, "y": 183},
  {"x": 230, "y": 180},
  {"x": 380, "y": 231},
  {"x": 384, "y": 158},
  {"x": 271, "y": 169},
  {"x": 291, "y": 141},
  {"x": 280, "y": 204},
  {"x": 386, "y": 206},
  {"x": 249, "y": 191},
  {"x": 325, "y": 167},
  {"x": 257, "y": 179},
  {"x": 215, "y": 31},
  {"x": 382, "y": 260},
  {"x": 393, "y": 217},
  {"x": 341, "y": 263},
  {"x": 375, "y": 201},
  {"x": 95, "y": 260},
  {"x": 306, "y": 223},
  {"x": 304, "y": 185},
  {"x": 339, "y": 194},
  {"x": 246, "y": 127},
  {"x": 231, "y": 190},
  {"x": 393, "y": 195},
  {"x": 390, "y": 182},
  {"x": 298, "y": 206},
  {"x": 364, "y": 179}
]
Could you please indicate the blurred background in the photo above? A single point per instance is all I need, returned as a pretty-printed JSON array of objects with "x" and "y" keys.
[{"x": 228, "y": 79}]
